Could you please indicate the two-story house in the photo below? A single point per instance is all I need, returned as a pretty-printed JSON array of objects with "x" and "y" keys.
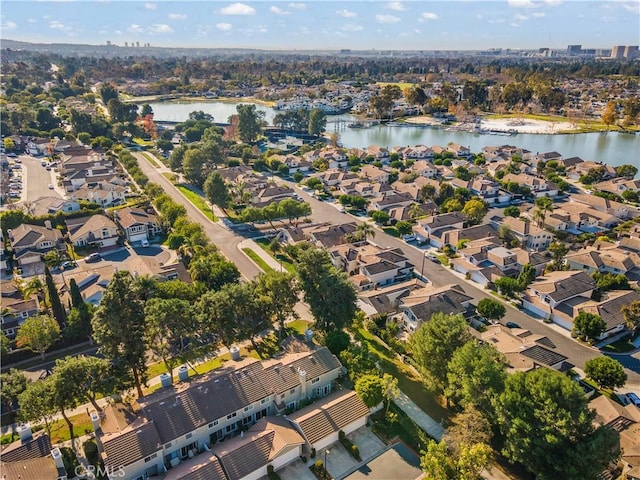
[
  {"x": 529, "y": 235},
  {"x": 15, "y": 309},
  {"x": 104, "y": 194},
  {"x": 540, "y": 187},
  {"x": 95, "y": 230},
  {"x": 374, "y": 174},
  {"x": 605, "y": 259},
  {"x": 31, "y": 242},
  {"x": 430, "y": 228},
  {"x": 138, "y": 224},
  {"x": 421, "y": 304},
  {"x": 459, "y": 150}
]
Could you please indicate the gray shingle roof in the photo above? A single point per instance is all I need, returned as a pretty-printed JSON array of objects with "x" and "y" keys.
[
  {"x": 38, "y": 446},
  {"x": 543, "y": 355},
  {"x": 210, "y": 471},
  {"x": 132, "y": 446}
]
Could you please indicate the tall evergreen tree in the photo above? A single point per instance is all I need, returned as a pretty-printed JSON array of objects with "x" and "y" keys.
[
  {"x": 74, "y": 292},
  {"x": 119, "y": 325},
  {"x": 54, "y": 299}
]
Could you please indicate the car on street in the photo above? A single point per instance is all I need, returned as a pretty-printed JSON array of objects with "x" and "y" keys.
[
  {"x": 51, "y": 186},
  {"x": 409, "y": 237},
  {"x": 94, "y": 257},
  {"x": 633, "y": 398},
  {"x": 12, "y": 155},
  {"x": 512, "y": 325},
  {"x": 432, "y": 257},
  {"x": 67, "y": 265}
]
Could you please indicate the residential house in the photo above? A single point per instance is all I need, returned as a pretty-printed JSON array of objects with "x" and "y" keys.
[
  {"x": 390, "y": 199},
  {"x": 31, "y": 242},
  {"x": 138, "y": 224},
  {"x": 546, "y": 294},
  {"x": 296, "y": 164},
  {"x": 608, "y": 308},
  {"x": 271, "y": 194},
  {"x": 32, "y": 458},
  {"x": 95, "y": 230},
  {"x": 430, "y": 228},
  {"x": 605, "y": 259},
  {"x": 414, "y": 188},
  {"x": 39, "y": 146},
  {"x": 540, "y": 187},
  {"x": 582, "y": 217},
  {"x": 420, "y": 305},
  {"x": 386, "y": 300},
  {"x": 522, "y": 350},
  {"x": 485, "y": 188},
  {"x": 105, "y": 194},
  {"x": 579, "y": 169},
  {"x": 416, "y": 152},
  {"x": 333, "y": 177},
  {"x": 379, "y": 153},
  {"x": 52, "y": 205},
  {"x": 626, "y": 421},
  {"x": 425, "y": 169},
  {"x": 374, "y": 173},
  {"x": 333, "y": 156},
  {"x": 529, "y": 235},
  {"x": 569, "y": 162},
  {"x": 604, "y": 205},
  {"x": 15, "y": 309},
  {"x": 618, "y": 185},
  {"x": 473, "y": 261},
  {"x": 332, "y": 235},
  {"x": 458, "y": 150},
  {"x": 135, "y": 453},
  {"x": 405, "y": 213}
]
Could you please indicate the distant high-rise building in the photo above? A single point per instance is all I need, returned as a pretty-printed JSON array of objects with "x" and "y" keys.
[
  {"x": 138, "y": 44},
  {"x": 126, "y": 44},
  {"x": 618, "y": 51},
  {"x": 574, "y": 49},
  {"x": 631, "y": 51},
  {"x": 108, "y": 43}
]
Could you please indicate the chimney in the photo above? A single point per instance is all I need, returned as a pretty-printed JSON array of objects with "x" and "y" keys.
[
  {"x": 303, "y": 383},
  {"x": 47, "y": 223},
  {"x": 24, "y": 431},
  {"x": 57, "y": 457},
  {"x": 95, "y": 421}
]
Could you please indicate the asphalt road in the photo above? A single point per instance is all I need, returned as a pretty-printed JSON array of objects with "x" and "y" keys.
[
  {"x": 322, "y": 211},
  {"x": 36, "y": 179},
  {"x": 577, "y": 353}
]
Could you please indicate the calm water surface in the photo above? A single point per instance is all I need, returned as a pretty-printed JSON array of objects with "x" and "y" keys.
[{"x": 612, "y": 147}]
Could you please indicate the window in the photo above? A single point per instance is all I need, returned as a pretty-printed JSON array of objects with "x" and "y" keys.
[
  {"x": 230, "y": 416},
  {"x": 24, "y": 314},
  {"x": 167, "y": 445},
  {"x": 250, "y": 407},
  {"x": 213, "y": 424},
  {"x": 247, "y": 420},
  {"x": 282, "y": 397},
  {"x": 292, "y": 391},
  {"x": 264, "y": 400},
  {"x": 315, "y": 380},
  {"x": 188, "y": 436},
  {"x": 231, "y": 428},
  {"x": 9, "y": 331},
  {"x": 151, "y": 457}
]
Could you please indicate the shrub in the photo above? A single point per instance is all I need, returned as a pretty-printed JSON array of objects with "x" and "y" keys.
[
  {"x": 270, "y": 469},
  {"x": 319, "y": 465},
  {"x": 355, "y": 451},
  {"x": 341, "y": 435},
  {"x": 313, "y": 453}
]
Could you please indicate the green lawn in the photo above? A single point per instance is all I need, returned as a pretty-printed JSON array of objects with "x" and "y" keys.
[
  {"x": 299, "y": 326},
  {"x": 284, "y": 260},
  {"x": 408, "y": 381},
  {"x": 257, "y": 259},
  {"x": 621, "y": 346},
  {"x": 391, "y": 231},
  {"x": 198, "y": 201}
]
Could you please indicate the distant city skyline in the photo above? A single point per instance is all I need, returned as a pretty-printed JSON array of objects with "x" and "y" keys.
[{"x": 327, "y": 25}]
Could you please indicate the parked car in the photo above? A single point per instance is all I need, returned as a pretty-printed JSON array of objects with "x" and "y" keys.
[
  {"x": 67, "y": 265},
  {"x": 145, "y": 243},
  {"x": 12, "y": 155},
  {"x": 512, "y": 325},
  {"x": 94, "y": 257},
  {"x": 409, "y": 237},
  {"x": 432, "y": 257},
  {"x": 633, "y": 398},
  {"x": 51, "y": 186}
]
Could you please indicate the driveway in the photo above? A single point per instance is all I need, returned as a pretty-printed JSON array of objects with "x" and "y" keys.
[
  {"x": 36, "y": 180},
  {"x": 397, "y": 462},
  {"x": 297, "y": 470}
]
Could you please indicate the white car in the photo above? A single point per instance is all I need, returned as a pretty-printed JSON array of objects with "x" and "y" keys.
[
  {"x": 51, "y": 186},
  {"x": 145, "y": 243},
  {"x": 409, "y": 237}
]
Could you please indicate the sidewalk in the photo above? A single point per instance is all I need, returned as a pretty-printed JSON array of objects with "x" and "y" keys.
[
  {"x": 434, "y": 429},
  {"x": 268, "y": 259}
]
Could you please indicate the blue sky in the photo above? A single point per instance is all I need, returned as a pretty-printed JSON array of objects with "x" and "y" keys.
[{"x": 327, "y": 25}]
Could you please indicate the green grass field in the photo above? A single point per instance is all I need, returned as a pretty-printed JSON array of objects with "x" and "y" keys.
[
  {"x": 257, "y": 259},
  {"x": 198, "y": 201},
  {"x": 151, "y": 158}
]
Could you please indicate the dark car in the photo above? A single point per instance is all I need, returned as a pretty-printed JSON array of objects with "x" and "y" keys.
[
  {"x": 512, "y": 325},
  {"x": 94, "y": 257}
]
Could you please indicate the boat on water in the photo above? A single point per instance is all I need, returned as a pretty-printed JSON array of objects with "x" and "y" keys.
[{"x": 356, "y": 125}]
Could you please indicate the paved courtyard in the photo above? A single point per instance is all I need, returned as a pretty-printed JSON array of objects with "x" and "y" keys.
[{"x": 397, "y": 463}]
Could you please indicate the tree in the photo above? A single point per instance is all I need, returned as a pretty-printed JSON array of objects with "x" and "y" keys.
[
  {"x": 216, "y": 190},
  {"x": 54, "y": 299},
  {"x": 548, "y": 427},
  {"x": 213, "y": 270},
  {"x": 626, "y": 170},
  {"x": 588, "y": 326},
  {"x": 558, "y": 251},
  {"x": 512, "y": 211},
  {"x": 249, "y": 122},
  {"x": 337, "y": 341},
  {"x": 215, "y": 319},
  {"x": 476, "y": 375},
  {"x": 611, "y": 281},
  {"x": 12, "y": 384},
  {"x": 118, "y": 327},
  {"x": 370, "y": 390},
  {"x": 610, "y": 116},
  {"x": 169, "y": 324},
  {"x": 78, "y": 324},
  {"x": 36, "y": 403},
  {"x": 475, "y": 210},
  {"x": 527, "y": 275},
  {"x": 508, "y": 286},
  {"x": 38, "y": 334},
  {"x": 380, "y": 217},
  {"x": 606, "y": 372},
  {"x": 365, "y": 231},
  {"x": 88, "y": 377},
  {"x": 434, "y": 343},
  {"x": 631, "y": 315},
  {"x": 360, "y": 361},
  {"x": 282, "y": 289},
  {"x": 543, "y": 206},
  {"x": 469, "y": 427},
  {"x": 329, "y": 293},
  {"x": 438, "y": 463},
  {"x": 390, "y": 390},
  {"x": 193, "y": 164},
  {"x": 317, "y": 121},
  {"x": 146, "y": 110},
  {"x": 108, "y": 91},
  {"x": 491, "y": 309}
]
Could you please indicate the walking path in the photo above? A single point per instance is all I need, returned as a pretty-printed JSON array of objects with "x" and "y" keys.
[{"x": 425, "y": 422}]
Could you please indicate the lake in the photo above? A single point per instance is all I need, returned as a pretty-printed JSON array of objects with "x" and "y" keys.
[{"x": 613, "y": 148}]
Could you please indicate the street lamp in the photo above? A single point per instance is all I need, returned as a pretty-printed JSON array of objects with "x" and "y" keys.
[{"x": 326, "y": 452}]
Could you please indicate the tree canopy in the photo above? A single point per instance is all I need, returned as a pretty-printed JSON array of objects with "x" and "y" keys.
[{"x": 607, "y": 372}]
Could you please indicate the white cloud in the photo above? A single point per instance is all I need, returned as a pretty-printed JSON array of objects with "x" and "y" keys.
[
  {"x": 134, "y": 28},
  {"x": 346, "y": 13},
  {"x": 514, "y": 24},
  {"x": 428, "y": 16},
  {"x": 32, "y": 20},
  {"x": 56, "y": 25},
  {"x": 387, "y": 19},
  {"x": 279, "y": 11},
  {"x": 178, "y": 16},
  {"x": 225, "y": 27},
  {"x": 522, "y": 4},
  {"x": 417, "y": 30},
  {"x": 521, "y": 17},
  {"x": 632, "y": 7},
  {"x": 397, "y": 6},
  {"x": 299, "y": 6},
  {"x": 150, "y": 6},
  {"x": 608, "y": 19},
  {"x": 496, "y": 20},
  {"x": 238, "y": 9},
  {"x": 160, "y": 28},
  {"x": 539, "y": 14},
  {"x": 553, "y": 3},
  {"x": 8, "y": 25},
  {"x": 349, "y": 27}
]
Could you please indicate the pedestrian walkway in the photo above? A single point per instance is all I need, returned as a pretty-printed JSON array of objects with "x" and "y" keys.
[
  {"x": 268, "y": 259},
  {"x": 434, "y": 429}
]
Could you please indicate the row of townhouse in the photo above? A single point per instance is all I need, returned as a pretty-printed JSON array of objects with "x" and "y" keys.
[{"x": 231, "y": 425}]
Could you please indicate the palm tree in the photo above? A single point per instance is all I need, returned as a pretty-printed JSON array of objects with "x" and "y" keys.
[
  {"x": 416, "y": 212},
  {"x": 53, "y": 260},
  {"x": 543, "y": 205},
  {"x": 365, "y": 231},
  {"x": 36, "y": 286}
]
